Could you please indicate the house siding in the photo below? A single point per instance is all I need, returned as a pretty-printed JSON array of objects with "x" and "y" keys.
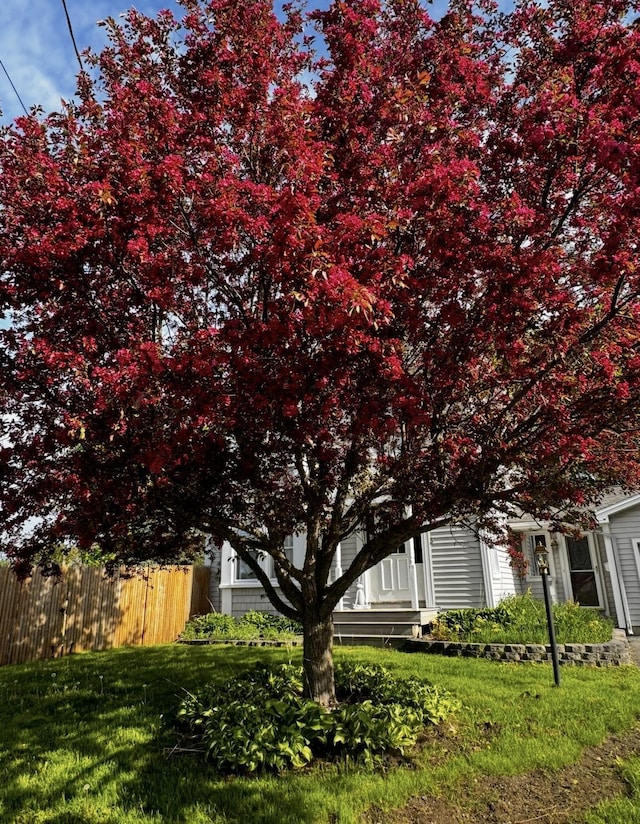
[
  {"x": 214, "y": 560},
  {"x": 349, "y": 549},
  {"x": 625, "y": 529},
  {"x": 248, "y": 599},
  {"x": 456, "y": 564},
  {"x": 507, "y": 582},
  {"x": 458, "y": 577}
]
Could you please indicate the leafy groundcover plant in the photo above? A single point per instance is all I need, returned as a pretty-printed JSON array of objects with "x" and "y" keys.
[
  {"x": 252, "y": 625},
  {"x": 268, "y": 725},
  {"x": 521, "y": 619}
]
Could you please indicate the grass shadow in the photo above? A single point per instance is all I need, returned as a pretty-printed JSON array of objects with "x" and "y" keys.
[
  {"x": 91, "y": 735},
  {"x": 87, "y": 738}
]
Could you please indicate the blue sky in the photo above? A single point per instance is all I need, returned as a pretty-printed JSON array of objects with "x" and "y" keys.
[
  {"x": 36, "y": 48},
  {"x": 37, "y": 52}
]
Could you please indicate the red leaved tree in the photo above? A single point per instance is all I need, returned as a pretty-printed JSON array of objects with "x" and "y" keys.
[{"x": 253, "y": 290}]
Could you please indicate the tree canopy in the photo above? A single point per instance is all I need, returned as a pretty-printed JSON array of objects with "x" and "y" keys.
[{"x": 283, "y": 274}]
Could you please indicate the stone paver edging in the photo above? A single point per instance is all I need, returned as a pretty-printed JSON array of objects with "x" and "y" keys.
[
  {"x": 612, "y": 654},
  {"x": 235, "y": 642}
]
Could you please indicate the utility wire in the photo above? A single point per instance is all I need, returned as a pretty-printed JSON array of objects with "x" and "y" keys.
[
  {"x": 73, "y": 39},
  {"x": 24, "y": 108}
]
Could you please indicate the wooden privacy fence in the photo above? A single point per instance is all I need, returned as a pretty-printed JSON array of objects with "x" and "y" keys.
[{"x": 87, "y": 610}]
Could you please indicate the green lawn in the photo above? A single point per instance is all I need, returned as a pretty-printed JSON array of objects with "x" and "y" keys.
[
  {"x": 88, "y": 738},
  {"x": 624, "y": 810}
]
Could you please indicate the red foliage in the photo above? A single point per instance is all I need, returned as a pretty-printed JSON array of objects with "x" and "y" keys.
[
  {"x": 255, "y": 291},
  {"x": 517, "y": 558}
]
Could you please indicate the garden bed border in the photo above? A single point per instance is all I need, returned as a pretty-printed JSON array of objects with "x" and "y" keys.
[
  {"x": 242, "y": 642},
  {"x": 614, "y": 653}
]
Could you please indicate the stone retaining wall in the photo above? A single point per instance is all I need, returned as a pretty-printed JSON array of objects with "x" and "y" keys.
[{"x": 612, "y": 654}]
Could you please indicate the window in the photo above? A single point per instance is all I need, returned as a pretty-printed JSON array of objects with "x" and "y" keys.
[
  {"x": 288, "y": 551},
  {"x": 288, "y": 548},
  {"x": 530, "y": 544},
  {"x": 417, "y": 548},
  {"x": 243, "y": 570}
]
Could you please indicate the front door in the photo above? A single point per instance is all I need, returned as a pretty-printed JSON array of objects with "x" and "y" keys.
[
  {"x": 394, "y": 577},
  {"x": 584, "y": 583}
]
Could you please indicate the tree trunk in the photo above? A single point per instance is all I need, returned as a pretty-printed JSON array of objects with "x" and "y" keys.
[{"x": 318, "y": 659}]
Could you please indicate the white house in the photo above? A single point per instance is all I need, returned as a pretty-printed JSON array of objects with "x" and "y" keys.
[
  {"x": 600, "y": 569},
  {"x": 453, "y": 567}
]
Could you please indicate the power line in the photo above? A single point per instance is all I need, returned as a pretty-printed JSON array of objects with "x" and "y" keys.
[
  {"x": 73, "y": 39},
  {"x": 75, "y": 47},
  {"x": 24, "y": 108}
]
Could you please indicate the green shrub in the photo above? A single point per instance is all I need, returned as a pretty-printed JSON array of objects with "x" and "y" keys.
[
  {"x": 521, "y": 619},
  {"x": 575, "y": 624},
  {"x": 268, "y": 625},
  {"x": 249, "y": 627},
  {"x": 461, "y": 622},
  {"x": 355, "y": 682},
  {"x": 358, "y": 682},
  {"x": 364, "y": 731},
  {"x": 211, "y": 625},
  {"x": 259, "y": 720},
  {"x": 284, "y": 681},
  {"x": 273, "y": 734},
  {"x": 383, "y": 713},
  {"x": 258, "y": 685}
]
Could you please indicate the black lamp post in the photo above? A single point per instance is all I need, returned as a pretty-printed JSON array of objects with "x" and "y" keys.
[{"x": 543, "y": 566}]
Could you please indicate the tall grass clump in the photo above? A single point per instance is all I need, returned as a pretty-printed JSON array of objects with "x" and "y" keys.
[{"x": 521, "y": 619}]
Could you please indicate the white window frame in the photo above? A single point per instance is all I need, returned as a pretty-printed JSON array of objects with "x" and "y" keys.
[
  {"x": 266, "y": 562},
  {"x": 529, "y": 541},
  {"x": 595, "y": 559},
  {"x": 251, "y": 580},
  {"x": 288, "y": 551},
  {"x": 493, "y": 553},
  {"x": 288, "y": 547}
]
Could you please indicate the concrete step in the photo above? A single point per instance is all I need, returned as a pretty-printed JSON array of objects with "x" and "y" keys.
[
  {"x": 411, "y": 616},
  {"x": 380, "y": 630},
  {"x": 369, "y": 640},
  {"x": 381, "y": 623}
]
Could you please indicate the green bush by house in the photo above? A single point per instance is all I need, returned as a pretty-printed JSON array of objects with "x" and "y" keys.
[{"x": 521, "y": 619}]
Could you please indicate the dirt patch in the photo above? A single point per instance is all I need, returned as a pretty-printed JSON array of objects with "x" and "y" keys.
[{"x": 540, "y": 797}]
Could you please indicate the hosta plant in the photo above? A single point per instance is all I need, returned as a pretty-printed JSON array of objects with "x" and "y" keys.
[{"x": 260, "y": 721}]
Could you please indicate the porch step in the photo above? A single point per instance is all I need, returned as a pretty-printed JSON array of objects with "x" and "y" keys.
[
  {"x": 370, "y": 640},
  {"x": 376, "y": 615},
  {"x": 379, "y": 625}
]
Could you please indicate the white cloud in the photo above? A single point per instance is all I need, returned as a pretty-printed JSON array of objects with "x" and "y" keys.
[{"x": 37, "y": 51}]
